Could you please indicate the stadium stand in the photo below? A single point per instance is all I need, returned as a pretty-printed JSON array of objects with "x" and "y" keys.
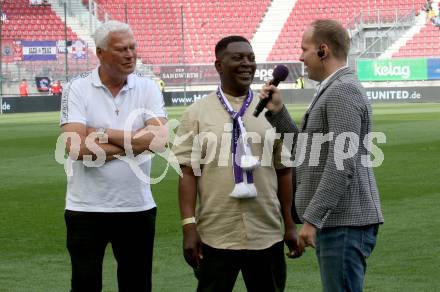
[
  {"x": 29, "y": 22},
  {"x": 288, "y": 45},
  {"x": 158, "y": 26},
  {"x": 25, "y": 22},
  {"x": 424, "y": 44},
  {"x": 163, "y": 40}
]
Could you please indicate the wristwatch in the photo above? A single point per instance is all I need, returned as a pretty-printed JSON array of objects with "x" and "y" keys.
[{"x": 101, "y": 134}]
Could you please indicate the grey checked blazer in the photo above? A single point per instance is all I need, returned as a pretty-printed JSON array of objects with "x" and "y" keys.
[{"x": 330, "y": 190}]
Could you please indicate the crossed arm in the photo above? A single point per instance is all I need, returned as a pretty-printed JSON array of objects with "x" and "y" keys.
[{"x": 153, "y": 137}]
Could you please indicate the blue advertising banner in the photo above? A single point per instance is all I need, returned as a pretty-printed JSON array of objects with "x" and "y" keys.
[
  {"x": 39, "y": 50},
  {"x": 433, "y": 69}
]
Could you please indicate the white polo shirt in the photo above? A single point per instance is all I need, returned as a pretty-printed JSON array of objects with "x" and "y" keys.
[{"x": 114, "y": 186}]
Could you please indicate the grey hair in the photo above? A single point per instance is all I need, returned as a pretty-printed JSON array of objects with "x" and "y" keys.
[{"x": 101, "y": 33}]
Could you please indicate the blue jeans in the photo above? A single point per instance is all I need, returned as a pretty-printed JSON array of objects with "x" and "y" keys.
[{"x": 342, "y": 254}]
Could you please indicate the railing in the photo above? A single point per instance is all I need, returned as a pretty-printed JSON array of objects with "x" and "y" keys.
[
  {"x": 384, "y": 17},
  {"x": 399, "y": 25}
]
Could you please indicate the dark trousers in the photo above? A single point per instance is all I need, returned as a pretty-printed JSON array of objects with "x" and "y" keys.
[
  {"x": 131, "y": 236},
  {"x": 262, "y": 270}
]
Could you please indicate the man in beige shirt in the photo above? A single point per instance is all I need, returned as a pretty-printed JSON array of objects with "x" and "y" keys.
[{"x": 241, "y": 202}]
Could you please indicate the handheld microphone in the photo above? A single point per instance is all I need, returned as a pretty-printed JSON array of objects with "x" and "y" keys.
[{"x": 279, "y": 74}]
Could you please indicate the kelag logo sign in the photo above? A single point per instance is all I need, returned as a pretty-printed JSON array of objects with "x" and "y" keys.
[{"x": 392, "y": 69}]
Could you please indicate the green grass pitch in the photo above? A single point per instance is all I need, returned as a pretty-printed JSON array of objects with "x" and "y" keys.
[{"x": 33, "y": 256}]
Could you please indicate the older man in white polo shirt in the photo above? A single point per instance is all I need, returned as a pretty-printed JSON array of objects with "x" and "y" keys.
[{"x": 109, "y": 203}]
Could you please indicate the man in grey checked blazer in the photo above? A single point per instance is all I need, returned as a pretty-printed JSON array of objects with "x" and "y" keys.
[{"x": 336, "y": 194}]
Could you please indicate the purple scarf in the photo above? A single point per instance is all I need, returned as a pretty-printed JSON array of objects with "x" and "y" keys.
[{"x": 242, "y": 189}]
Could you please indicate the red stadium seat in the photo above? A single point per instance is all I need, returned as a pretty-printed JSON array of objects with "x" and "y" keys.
[
  {"x": 205, "y": 22},
  {"x": 307, "y": 10}
]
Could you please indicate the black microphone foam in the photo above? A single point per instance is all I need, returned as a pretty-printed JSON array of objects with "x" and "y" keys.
[{"x": 279, "y": 74}]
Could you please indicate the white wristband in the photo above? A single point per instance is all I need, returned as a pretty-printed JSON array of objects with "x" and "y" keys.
[{"x": 190, "y": 220}]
